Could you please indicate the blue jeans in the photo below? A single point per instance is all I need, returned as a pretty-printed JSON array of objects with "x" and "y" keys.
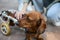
[
  {"x": 53, "y": 14},
  {"x": 38, "y": 5}
]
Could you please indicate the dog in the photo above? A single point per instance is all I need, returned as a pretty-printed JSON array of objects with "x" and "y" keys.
[{"x": 34, "y": 23}]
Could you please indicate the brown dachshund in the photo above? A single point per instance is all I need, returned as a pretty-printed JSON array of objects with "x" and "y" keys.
[{"x": 34, "y": 23}]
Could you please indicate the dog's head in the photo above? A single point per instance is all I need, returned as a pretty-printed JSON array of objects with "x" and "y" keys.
[{"x": 29, "y": 19}]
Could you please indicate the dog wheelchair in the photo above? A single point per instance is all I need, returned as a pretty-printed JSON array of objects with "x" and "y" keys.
[{"x": 6, "y": 22}]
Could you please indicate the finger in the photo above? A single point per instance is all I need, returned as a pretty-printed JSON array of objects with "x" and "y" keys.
[{"x": 18, "y": 16}]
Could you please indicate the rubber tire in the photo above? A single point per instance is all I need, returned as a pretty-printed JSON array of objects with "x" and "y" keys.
[{"x": 7, "y": 27}]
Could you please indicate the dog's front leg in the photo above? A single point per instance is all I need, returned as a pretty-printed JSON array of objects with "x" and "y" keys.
[
  {"x": 39, "y": 37},
  {"x": 28, "y": 37}
]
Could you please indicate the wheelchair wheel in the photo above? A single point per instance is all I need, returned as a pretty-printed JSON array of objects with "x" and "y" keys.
[{"x": 5, "y": 29}]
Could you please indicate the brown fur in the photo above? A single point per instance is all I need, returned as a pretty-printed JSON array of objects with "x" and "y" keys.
[{"x": 34, "y": 23}]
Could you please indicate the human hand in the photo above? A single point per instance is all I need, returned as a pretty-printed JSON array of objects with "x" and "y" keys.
[{"x": 19, "y": 14}]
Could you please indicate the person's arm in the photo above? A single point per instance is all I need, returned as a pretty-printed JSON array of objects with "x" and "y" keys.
[
  {"x": 26, "y": 3},
  {"x": 18, "y": 15},
  {"x": 24, "y": 7}
]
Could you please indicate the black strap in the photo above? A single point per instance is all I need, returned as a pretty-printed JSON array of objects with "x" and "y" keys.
[
  {"x": 30, "y": 1},
  {"x": 47, "y": 2}
]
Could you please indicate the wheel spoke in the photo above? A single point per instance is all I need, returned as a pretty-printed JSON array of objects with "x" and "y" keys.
[{"x": 4, "y": 30}]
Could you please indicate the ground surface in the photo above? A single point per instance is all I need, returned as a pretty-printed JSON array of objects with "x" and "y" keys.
[{"x": 52, "y": 32}]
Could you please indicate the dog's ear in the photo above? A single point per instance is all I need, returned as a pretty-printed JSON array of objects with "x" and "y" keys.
[
  {"x": 33, "y": 15},
  {"x": 30, "y": 18},
  {"x": 33, "y": 18}
]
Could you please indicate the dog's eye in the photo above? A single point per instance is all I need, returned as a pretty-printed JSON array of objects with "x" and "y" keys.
[
  {"x": 28, "y": 18},
  {"x": 23, "y": 15}
]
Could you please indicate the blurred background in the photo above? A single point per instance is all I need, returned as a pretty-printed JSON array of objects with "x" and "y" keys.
[
  {"x": 52, "y": 32},
  {"x": 8, "y": 4}
]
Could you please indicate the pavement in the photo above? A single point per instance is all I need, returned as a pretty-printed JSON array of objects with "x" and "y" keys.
[{"x": 51, "y": 33}]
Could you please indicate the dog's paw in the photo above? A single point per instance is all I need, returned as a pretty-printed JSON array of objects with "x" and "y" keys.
[
  {"x": 40, "y": 39},
  {"x": 27, "y": 39}
]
